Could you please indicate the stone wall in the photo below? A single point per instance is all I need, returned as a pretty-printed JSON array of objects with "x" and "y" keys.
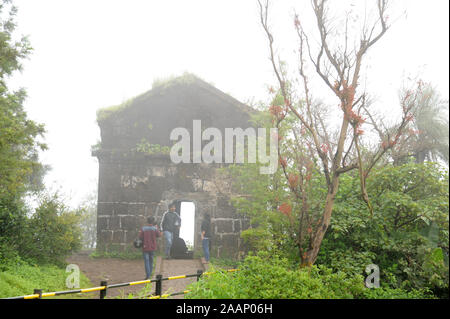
[{"x": 131, "y": 188}]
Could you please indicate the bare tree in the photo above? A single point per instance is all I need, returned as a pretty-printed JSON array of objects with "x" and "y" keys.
[{"x": 339, "y": 67}]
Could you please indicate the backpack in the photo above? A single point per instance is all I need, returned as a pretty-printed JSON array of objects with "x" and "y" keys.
[
  {"x": 178, "y": 249},
  {"x": 137, "y": 243}
]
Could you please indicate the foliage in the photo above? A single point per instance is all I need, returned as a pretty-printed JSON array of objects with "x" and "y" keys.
[
  {"x": 310, "y": 142},
  {"x": 21, "y": 278},
  {"x": 165, "y": 82},
  {"x": 158, "y": 85},
  {"x": 391, "y": 293},
  {"x": 128, "y": 254},
  {"x": 19, "y": 143},
  {"x": 88, "y": 221},
  {"x": 51, "y": 233},
  {"x": 147, "y": 148},
  {"x": 258, "y": 197},
  {"x": 20, "y": 170},
  {"x": 429, "y": 130},
  {"x": 408, "y": 235},
  {"x": 223, "y": 262},
  {"x": 265, "y": 276},
  {"x": 13, "y": 220}
]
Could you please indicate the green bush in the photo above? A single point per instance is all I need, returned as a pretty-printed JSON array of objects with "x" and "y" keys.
[
  {"x": 263, "y": 276},
  {"x": 52, "y": 233},
  {"x": 390, "y": 293},
  {"x": 407, "y": 236}
]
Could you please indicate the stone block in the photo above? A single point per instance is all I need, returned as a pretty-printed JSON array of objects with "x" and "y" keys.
[
  {"x": 225, "y": 212},
  {"x": 104, "y": 236},
  {"x": 128, "y": 222},
  {"x": 120, "y": 209},
  {"x": 136, "y": 209},
  {"x": 229, "y": 245},
  {"x": 223, "y": 226},
  {"x": 118, "y": 237},
  {"x": 102, "y": 223},
  {"x": 237, "y": 226},
  {"x": 105, "y": 209},
  {"x": 223, "y": 201},
  {"x": 114, "y": 223}
]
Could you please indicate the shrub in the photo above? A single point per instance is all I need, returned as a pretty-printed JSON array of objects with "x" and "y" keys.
[
  {"x": 407, "y": 236},
  {"x": 390, "y": 293},
  {"x": 263, "y": 276},
  {"x": 52, "y": 233}
]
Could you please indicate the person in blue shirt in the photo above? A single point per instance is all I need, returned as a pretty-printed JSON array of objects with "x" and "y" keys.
[{"x": 206, "y": 235}]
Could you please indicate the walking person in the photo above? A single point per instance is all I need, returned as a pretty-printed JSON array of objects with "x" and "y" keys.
[
  {"x": 206, "y": 235},
  {"x": 170, "y": 224},
  {"x": 148, "y": 235}
]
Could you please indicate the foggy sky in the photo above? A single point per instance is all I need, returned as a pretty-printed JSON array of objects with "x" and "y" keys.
[{"x": 93, "y": 54}]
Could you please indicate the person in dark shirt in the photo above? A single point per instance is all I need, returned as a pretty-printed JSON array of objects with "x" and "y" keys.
[
  {"x": 170, "y": 224},
  {"x": 148, "y": 235},
  {"x": 206, "y": 235}
]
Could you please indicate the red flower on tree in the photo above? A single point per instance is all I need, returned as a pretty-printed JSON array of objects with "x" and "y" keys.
[
  {"x": 324, "y": 148},
  {"x": 293, "y": 180},
  {"x": 275, "y": 110},
  {"x": 285, "y": 209}
]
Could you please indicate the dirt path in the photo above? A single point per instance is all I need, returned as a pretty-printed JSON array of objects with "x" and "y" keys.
[
  {"x": 116, "y": 270},
  {"x": 175, "y": 267}
]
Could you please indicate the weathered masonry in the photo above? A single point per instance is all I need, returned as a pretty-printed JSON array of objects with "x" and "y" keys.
[{"x": 137, "y": 178}]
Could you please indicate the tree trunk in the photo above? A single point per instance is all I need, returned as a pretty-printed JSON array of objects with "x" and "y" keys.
[
  {"x": 312, "y": 253},
  {"x": 420, "y": 157}
]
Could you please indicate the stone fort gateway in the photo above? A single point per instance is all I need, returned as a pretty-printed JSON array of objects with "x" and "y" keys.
[{"x": 137, "y": 178}]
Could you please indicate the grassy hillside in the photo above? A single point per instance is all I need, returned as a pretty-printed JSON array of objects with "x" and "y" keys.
[{"x": 22, "y": 278}]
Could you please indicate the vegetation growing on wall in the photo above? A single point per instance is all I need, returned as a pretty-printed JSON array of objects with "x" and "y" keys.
[
  {"x": 157, "y": 86},
  {"x": 146, "y": 147}
]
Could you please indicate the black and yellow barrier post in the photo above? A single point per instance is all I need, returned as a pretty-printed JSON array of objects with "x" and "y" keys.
[
  {"x": 199, "y": 273},
  {"x": 38, "y": 292},
  {"x": 158, "y": 285},
  {"x": 103, "y": 292}
]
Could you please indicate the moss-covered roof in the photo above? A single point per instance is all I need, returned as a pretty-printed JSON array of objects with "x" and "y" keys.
[{"x": 160, "y": 85}]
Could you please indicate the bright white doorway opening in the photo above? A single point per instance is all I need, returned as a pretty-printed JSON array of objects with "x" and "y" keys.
[{"x": 187, "y": 229}]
